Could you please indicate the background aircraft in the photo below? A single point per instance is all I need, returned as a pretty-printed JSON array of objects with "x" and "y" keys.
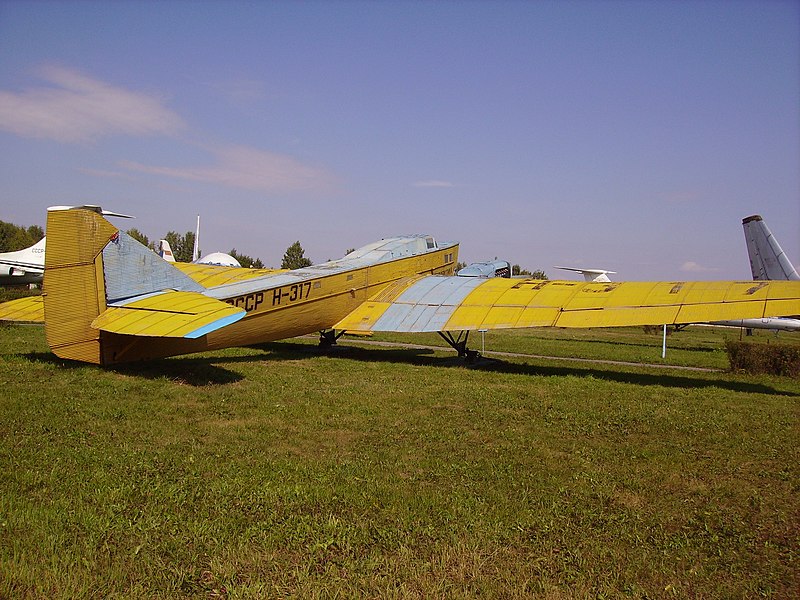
[
  {"x": 110, "y": 299},
  {"x": 768, "y": 261},
  {"x": 596, "y": 275},
  {"x": 23, "y": 266}
]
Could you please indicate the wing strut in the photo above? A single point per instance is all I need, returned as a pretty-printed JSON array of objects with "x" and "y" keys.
[{"x": 459, "y": 344}]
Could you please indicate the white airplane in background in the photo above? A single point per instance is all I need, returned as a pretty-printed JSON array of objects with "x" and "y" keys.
[
  {"x": 591, "y": 275},
  {"x": 26, "y": 266},
  {"x": 768, "y": 261},
  {"x": 23, "y": 266}
]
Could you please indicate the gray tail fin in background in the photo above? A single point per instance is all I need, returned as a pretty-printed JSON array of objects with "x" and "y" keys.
[{"x": 767, "y": 258}]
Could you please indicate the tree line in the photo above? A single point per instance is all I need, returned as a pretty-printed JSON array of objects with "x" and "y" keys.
[{"x": 15, "y": 237}]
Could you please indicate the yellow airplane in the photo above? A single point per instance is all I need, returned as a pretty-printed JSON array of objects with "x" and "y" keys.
[{"x": 107, "y": 299}]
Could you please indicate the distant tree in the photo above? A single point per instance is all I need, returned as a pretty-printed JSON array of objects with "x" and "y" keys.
[
  {"x": 295, "y": 257},
  {"x": 138, "y": 236},
  {"x": 182, "y": 245},
  {"x": 459, "y": 265},
  {"x": 14, "y": 237},
  {"x": 517, "y": 270},
  {"x": 35, "y": 233},
  {"x": 247, "y": 261},
  {"x": 538, "y": 274}
]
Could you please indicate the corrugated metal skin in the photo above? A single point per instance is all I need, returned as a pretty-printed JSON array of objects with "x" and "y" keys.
[
  {"x": 168, "y": 314},
  {"x": 213, "y": 275},
  {"x": 427, "y": 306},
  {"x": 332, "y": 295},
  {"x": 503, "y": 303},
  {"x": 133, "y": 270},
  {"x": 23, "y": 310},
  {"x": 74, "y": 289}
]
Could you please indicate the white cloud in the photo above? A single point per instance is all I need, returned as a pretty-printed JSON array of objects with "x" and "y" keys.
[
  {"x": 248, "y": 168},
  {"x": 693, "y": 267},
  {"x": 435, "y": 183},
  {"x": 78, "y": 108}
]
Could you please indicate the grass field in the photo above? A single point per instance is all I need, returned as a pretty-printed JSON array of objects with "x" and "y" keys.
[{"x": 396, "y": 472}]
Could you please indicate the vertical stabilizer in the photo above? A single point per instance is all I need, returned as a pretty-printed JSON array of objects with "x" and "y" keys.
[
  {"x": 165, "y": 251},
  {"x": 90, "y": 266},
  {"x": 73, "y": 281},
  {"x": 767, "y": 258}
]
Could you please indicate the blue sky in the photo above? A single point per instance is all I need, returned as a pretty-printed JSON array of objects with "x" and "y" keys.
[{"x": 632, "y": 136}]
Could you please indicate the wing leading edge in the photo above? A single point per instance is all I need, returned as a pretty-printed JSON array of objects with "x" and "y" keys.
[{"x": 435, "y": 303}]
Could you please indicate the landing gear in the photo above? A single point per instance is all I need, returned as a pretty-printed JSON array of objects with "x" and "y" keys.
[
  {"x": 327, "y": 339},
  {"x": 459, "y": 344}
]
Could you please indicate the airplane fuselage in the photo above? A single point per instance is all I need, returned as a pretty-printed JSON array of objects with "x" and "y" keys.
[
  {"x": 773, "y": 323},
  {"x": 293, "y": 303},
  {"x": 22, "y": 266}
]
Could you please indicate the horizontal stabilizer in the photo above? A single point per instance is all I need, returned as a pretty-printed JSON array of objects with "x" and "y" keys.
[
  {"x": 168, "y": 314},
  {"x": 596, "y": 275},
  {"x": 23, "y": 310}
]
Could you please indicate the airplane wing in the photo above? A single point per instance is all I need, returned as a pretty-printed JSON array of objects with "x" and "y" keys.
[
  {"x": 434, "y": 303},
  {"x": 168, "y": 314},
  {"x": 214, "y": 275},
  {"x": 23, "y": 310}
]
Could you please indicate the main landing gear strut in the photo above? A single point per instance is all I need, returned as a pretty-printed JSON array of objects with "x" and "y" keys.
[
  {"x": 328, "y": 338},
  {"x": 459, "y": 344}
]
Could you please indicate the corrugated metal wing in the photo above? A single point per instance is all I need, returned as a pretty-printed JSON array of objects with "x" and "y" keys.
[
  {"x": 457, "y": 304},
  {"x": 23, "y": 310},
  {"x": 168, "y": 314}
]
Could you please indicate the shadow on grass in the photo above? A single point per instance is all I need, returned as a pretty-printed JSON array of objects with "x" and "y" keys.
[
  {"x": 194, "y": 371},
  {"x": 209, "y": 370},
  {"x": 427, "y": 357},
  {"x": 655, "y": 342}
]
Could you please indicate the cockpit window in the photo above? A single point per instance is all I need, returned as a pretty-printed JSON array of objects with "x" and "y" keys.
[{"x": 431, "y": 243}]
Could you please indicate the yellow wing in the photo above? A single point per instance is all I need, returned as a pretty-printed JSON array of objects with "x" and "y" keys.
[
  {"x": 168, "y": 314},
  {"x": 23, "y": 310},
  {"x": 214, "y": 275},
  {"x": 435, "y": 303}
]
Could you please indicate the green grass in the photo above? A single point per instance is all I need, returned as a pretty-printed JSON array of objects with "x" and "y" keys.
[
  {"x": 694, "y": 346},
  {"x": 394, "y": 472}
]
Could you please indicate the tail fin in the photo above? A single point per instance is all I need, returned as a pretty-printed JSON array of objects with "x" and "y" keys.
[
  {"x": 89, "y": 265},
  {"x": 767, "y": 258},
  {"x": 165, "y": 251}
]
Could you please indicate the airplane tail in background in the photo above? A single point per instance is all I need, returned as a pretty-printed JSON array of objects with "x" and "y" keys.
[
  {"x": 768, "y": 261},
  {"x": 102, "y": 286},
  {"x": 165, "y": 251}
]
